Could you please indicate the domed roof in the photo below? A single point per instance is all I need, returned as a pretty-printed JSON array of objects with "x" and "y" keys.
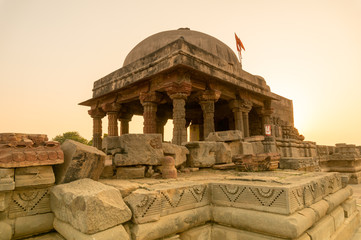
[{"x": 201, "y": 40}]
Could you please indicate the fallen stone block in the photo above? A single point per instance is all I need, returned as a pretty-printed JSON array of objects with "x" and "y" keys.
[
  {"x": 89, "y": 206},
  {"x": 68, "y": 232},
  {"x": 33, "y": 225},
  {"x": 179, "y": 153},
  {"x": 201, "y": 154},
  {"x": 138, "y": 149},
  {"x": 225, "y": 136},
  {"x": 39, "y": 176},
  {"x": 223, "y": 153},
  {"x": 130, "y": 172},
  {"x": 80, "y": 161}
]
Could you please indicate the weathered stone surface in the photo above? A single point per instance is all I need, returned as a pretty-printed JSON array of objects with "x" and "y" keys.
[
  {"x": 47, "y": 236},
  {"x": 349, "y": 207},
  {"x": 171, "y": 224},
  {"x": 138, "y": 149},
  {"x": 224, "y": 136},
  {"x": 299, "y": 163},
  {"x": 6, "y": 231},
  {"x": 259, "y": 162},
  {"x": 140, "y": 202},
  {"x": 201, "y": 154},
  {"x": 7, "y": 179},
  {"x": 29, "y": 202},
  {"x": 223, "y": 153},
  {"x": 226, "y": 166},
  {"x": 130, "y": 172},
  {"x": 108, "y": 170},
  {"x": 89, "y": 206},
  {"x": 246, "y": 148},
  {"x": 39, "y": 176},
  {"x": 198, "y": 233},
  {"x": 33, "y": 225},
  {"x": 125, "y": 187},
  {"x": 24, "y": 150},
  {"x": 69, "y": 232},
  {"x": 81, "y": 161},
  {"x": 179, "y": 153},
  {"x": 323, "y": 229}
]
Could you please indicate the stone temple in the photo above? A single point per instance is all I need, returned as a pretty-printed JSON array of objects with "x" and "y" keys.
[{"x": 244, "y": 171}]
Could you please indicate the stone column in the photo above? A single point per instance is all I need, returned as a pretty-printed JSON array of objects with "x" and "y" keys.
[
  {"x": 207, "y": 100},
  {"x": 124, "y": 119},
  {"x": 235, "y": 106},
  {"x": 150, "y": 102},
  {"x": 112, "y": 110},
  {"x": 179, "y": 92},
  {"x": 97, "y": 114},
  {"x": 160, "y": 125},
  {"x": 246, "y": 108}
]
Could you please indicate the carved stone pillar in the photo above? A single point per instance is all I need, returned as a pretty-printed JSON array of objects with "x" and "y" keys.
[
  {"x": 207, "y": 100},
  {"x": 112, "y": 110},
  {"x": 150, "y": 102},
  {"x": 266, "y": 113},
  {"x": 179, "y": 92},
  {"x": 246, "y": 108},
  {"x": 124, "y": 119},
  {"x": 97, "y": 115},
  {"x": 236, "y": 108},
  {"x": 160, "y": 125}
]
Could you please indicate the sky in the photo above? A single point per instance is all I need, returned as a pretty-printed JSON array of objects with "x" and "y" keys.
[{"x": 51, "y": 52}]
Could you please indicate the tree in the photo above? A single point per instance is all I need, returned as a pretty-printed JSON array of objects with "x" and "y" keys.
[{"x": 71, "y": 135}]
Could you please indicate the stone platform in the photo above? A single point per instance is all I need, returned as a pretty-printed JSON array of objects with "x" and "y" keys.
[{"x": 213, "y": 204}]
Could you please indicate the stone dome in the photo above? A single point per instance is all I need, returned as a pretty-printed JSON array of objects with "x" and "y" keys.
[{"x": 201, "y": 40}]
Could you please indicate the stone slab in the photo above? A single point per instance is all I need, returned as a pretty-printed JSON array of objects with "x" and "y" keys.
[
  {"x": 7, "y": 182},
  {"x": 198, "y": 233},
  {"x": 80, "y": 161},
  {"x": 130, "y": 172},
  {"x": 125, "y": 187},
  {"x": 179, "y": 153},
  {"x": 39, "y": 176},
  {"x": 225, "y": 136},
  {"x": 33, "y": 225},
  {"x": 68, "y": 232},
  {"x": 75, "y": 202},
  {"x": 6, "y": 232},
  {"x": 171, "y": 224},
  {"x": 136, "y": 149},
  {"x": 47, "y": 236}
]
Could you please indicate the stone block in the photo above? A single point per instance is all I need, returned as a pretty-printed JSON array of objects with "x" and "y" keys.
[
  {"x": 223, "y": 153},
  {"x": 338, "y": 217},
  {"x": 348, "y": 229},
  {"x": 68, "y": 232},
  {"x": 139, "y": 149},
  {"x": 124, "y": 186},
  {"x": 171, "y": 224},
  {"x": 246, "y": 148},
  {"x": 225, "y": 136},
  {"x": 130, "y": 172},
  {"x": 198, "y": 233},
  {"x": 7, "y": 182},
  {"x": 6, "y": 232},
  {"x": 201, "y": 154},
  {"x": 323, "y": 229},
  {"x": 38, "y": 176},
  {"x": 145, "y": 205},
  {"x": 338, "y": 197},
  {"x": 33, "y": 225},
  {"x": 349, "y": 207},
  {"x": 29, "y": 202},
  {"x": 179, "y": 153},
  {"x": 25, "y": 150},
  {"x": 47, "y": 236},
  {"x": 80, "y": 161},
  {"x": 89, "y": 206},
  {"x": 257, "y": 147}
]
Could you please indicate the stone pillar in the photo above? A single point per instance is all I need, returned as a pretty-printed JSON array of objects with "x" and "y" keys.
[
  {"x": 246, "y": 108},
  {"x": 160, "y": 125},
  {"x": 150, "y": 102},
  {"x": 124, "y": 119},
  {"x": 97, "y": 114},
  {"x": 112, "y": 110},
  {"x": 207, "y": 100},
  {"x": 235, "y": 106},
  {"x": 179, "y": 92}
]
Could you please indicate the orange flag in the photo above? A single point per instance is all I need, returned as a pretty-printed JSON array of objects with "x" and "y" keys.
[{"x": 239, "y": 44}]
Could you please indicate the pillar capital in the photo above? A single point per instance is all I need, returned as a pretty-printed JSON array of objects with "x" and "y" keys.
[
  {"x": 154, "y": 97},
  {"x": 178, "y": 90},
  {"x": 209, "y": 95},
  {"x": 96, "y": 113}
]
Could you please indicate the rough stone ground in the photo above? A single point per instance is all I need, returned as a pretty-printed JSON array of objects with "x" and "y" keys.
[{"x": 357, "y": 195}]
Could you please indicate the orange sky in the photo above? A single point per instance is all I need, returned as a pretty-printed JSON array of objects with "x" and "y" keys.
[{"x": 51, "y": 52}]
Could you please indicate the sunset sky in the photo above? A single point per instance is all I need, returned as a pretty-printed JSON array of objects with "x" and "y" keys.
[{"x": 51, "y": 52}]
